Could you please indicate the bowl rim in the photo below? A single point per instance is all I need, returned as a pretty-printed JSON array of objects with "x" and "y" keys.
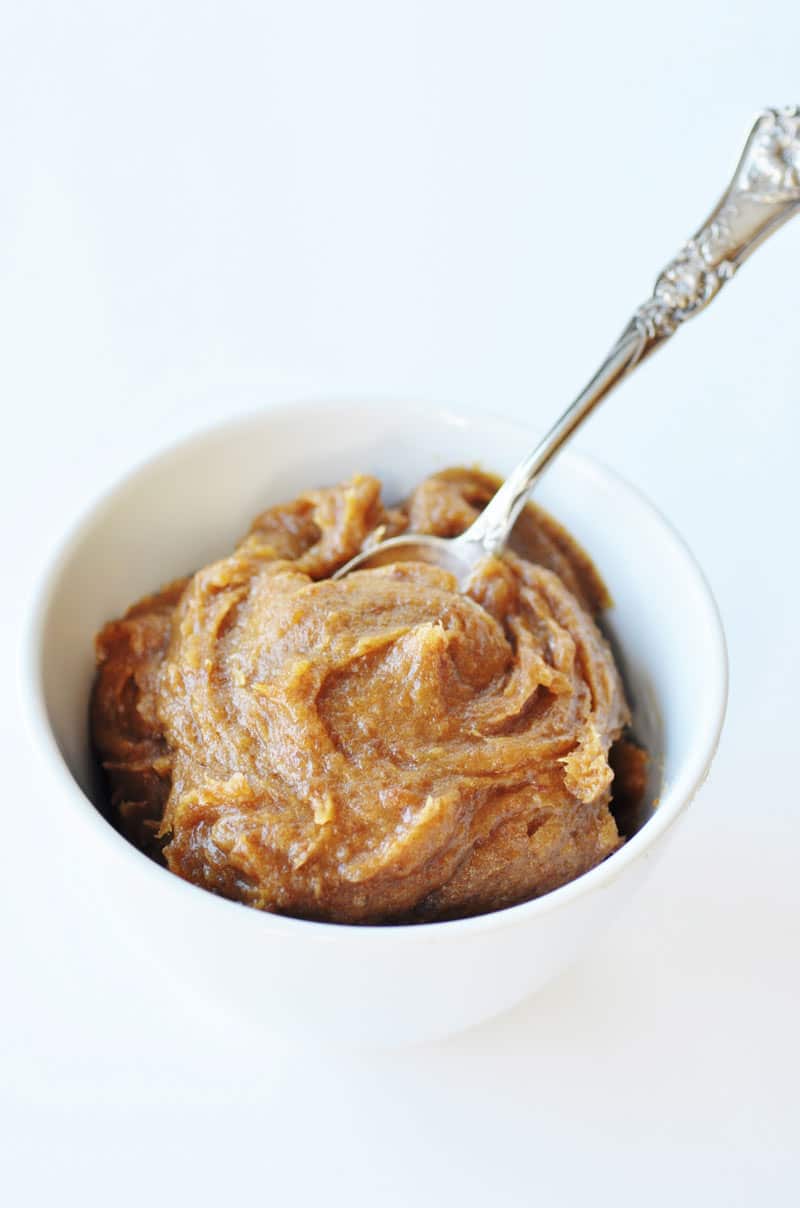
[{"x": 676, "y": 797}]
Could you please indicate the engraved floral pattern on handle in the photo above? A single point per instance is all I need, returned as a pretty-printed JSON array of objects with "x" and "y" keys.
[
  {"x": 764, "y": 192},
  {"x": 771, "y": 170}
]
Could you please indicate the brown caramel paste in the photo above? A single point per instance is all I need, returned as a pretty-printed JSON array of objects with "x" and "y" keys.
[{"x": 383, "y": 748}]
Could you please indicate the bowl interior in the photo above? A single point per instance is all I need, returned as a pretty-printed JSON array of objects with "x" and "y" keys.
[{"x": 189, "y": 505}]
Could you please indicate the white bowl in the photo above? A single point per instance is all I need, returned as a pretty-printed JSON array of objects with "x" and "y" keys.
[{"x": 363, "y": 984}]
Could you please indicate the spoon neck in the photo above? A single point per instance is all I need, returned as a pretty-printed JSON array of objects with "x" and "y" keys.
[{"x": 493, "y": 526}]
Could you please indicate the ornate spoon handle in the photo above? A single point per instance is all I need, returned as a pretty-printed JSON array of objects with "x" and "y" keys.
[{"x": 764, "y": 193}]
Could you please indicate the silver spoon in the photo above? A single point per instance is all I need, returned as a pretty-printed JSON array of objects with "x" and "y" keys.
[{"x": 764, "y": 193}]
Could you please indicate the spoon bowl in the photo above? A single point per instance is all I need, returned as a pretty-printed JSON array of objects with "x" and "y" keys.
[{"x": 457, "y": 555}]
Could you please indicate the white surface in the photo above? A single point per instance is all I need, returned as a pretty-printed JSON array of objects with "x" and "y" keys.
[
  {"x": 446, "y": 200},
  {"x": 365, "y": 986}
]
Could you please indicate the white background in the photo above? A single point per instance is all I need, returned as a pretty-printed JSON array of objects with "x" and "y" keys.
[{"x": 207, "y": 206}]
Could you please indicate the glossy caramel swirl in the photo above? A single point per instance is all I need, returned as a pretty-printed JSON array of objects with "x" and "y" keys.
[{"x": 384, "y": 747}]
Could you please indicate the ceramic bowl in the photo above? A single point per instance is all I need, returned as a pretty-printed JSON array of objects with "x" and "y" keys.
[{"x": 344, "y": 984}]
